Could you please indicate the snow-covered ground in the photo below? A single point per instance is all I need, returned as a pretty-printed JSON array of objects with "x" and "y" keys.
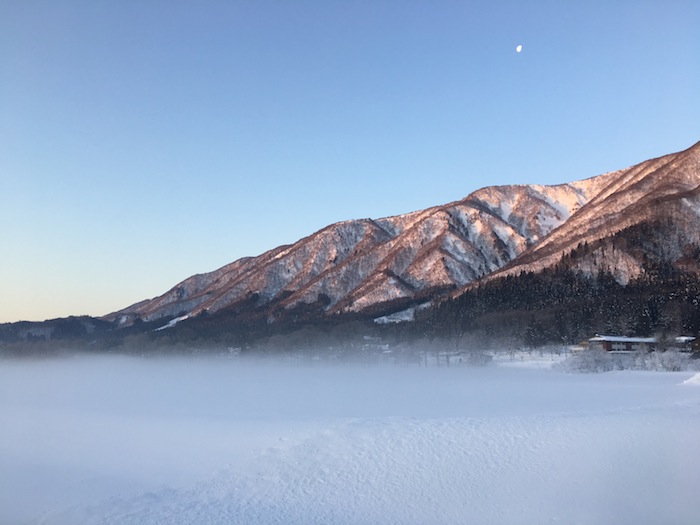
[{"x": 152, "y": 441}]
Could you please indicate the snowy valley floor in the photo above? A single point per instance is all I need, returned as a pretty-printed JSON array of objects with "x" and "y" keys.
[{"x": 152, "y": 441}]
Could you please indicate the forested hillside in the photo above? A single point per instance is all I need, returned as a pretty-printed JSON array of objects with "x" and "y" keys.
[{"x": 579, "y": 296}]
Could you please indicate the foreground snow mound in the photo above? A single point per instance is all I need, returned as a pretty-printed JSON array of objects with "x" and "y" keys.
[
  {"x": 218, "y": 442},
  {"x": 695, "y": 380}
]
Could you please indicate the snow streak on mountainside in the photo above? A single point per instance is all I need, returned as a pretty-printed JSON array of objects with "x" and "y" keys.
[
  {"x": 354, "y": 265},
  {"x": 395, "y": 262}
]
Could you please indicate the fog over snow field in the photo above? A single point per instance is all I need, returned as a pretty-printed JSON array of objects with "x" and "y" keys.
[{"x": 117, "y": 440}]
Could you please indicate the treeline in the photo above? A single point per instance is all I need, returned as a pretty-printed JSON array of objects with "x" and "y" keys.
[{"x": 562, "y": 305}]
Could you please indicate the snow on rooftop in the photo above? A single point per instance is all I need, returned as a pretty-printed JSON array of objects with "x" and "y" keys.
[{"x": 623, "y": 339}]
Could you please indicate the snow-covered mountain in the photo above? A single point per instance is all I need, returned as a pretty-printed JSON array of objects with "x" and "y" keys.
[
  {"x": 394, "y": 262},
  {"x": 664, "y": 190}
]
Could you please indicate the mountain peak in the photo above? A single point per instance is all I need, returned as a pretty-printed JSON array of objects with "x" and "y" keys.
[{"x": 626, "y": 197}]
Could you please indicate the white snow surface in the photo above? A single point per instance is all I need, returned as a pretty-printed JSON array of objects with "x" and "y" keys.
[{"x": 149, "y": 441}]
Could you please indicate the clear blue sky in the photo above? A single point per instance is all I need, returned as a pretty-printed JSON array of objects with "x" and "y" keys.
[{"x": 145, "y": 141}]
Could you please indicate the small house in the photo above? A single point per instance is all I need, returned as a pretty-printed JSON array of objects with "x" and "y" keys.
[
  {"x": 685, "y": 343},
  {"x": 621, "y": 344}
]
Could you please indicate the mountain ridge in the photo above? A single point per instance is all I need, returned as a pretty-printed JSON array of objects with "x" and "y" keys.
[
  {"x": 353, "y": 265},
  {"x": 356, "y": 265}
]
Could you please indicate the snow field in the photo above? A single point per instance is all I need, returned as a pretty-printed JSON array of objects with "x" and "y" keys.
[{"x": 119, "y": 440}]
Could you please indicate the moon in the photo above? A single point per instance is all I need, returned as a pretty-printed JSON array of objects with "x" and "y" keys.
[{"x": 518, "y": 48}]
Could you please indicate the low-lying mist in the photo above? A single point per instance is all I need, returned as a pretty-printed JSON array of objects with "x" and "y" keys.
[{"x": 141, "y": 440}]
